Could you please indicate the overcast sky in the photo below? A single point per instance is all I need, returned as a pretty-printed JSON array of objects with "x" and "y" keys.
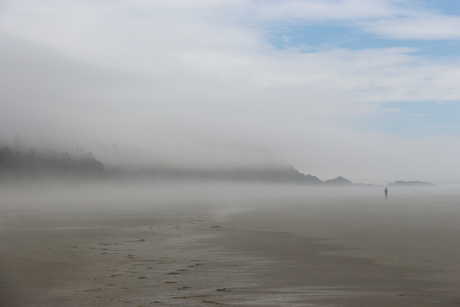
[{"x": 365, "y": 89}]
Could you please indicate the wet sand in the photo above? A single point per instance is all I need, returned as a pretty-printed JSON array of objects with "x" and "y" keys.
[{"x": 277, "y": 249}]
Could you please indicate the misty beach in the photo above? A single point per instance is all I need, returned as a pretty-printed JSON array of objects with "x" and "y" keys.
[
  {"x": 227, "y": 245},
  {"x": 229, "y": 153}
]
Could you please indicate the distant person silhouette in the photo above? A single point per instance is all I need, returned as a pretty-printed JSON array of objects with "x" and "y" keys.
[{"x": 386, "y": 193}]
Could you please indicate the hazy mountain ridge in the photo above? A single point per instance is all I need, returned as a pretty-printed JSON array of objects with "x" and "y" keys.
[
  {"x": 401, "y": 183},
  {"x": 339, "y": 181},
  {"x": 273, "y": 174},
  {"x": 21, "y": 163}
]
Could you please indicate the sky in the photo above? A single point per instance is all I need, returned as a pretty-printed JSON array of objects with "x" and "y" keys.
[{"x": 365, "y": 89}]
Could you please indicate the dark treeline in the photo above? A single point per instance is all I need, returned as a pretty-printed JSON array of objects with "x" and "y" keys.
[
  {"x": 19, "y": 162},
  {"x": 22, "y": 163},
  {"x": 273, "y": 174}
]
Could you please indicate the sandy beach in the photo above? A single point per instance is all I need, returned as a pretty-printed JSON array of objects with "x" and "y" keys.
[{"x": 238, "y": 246}]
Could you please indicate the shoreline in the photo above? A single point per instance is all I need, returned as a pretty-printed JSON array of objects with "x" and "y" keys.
[{"x": 288, "y": 251}]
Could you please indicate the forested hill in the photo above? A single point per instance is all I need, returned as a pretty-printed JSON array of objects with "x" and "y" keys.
[
  {"x": 30, "y": 164},
  {"x": 19, "y": 163}
]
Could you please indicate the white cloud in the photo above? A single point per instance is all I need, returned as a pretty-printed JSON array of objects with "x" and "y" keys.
[{"x": 326, "y": 10}]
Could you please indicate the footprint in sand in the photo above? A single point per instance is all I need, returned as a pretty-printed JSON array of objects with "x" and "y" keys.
[
  {"x": 184, "y": 288},
  {"x": 211, "y": 302}
]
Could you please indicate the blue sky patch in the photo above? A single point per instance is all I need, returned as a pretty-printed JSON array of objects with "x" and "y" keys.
[
  {"x": 414, "y": 119},
  {"x": 444, "y": 6},
  {"x": 311, "y": 38}
]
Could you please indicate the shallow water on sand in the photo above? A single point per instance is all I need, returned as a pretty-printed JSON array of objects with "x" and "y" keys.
[{"x": 176, "y": 245}]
